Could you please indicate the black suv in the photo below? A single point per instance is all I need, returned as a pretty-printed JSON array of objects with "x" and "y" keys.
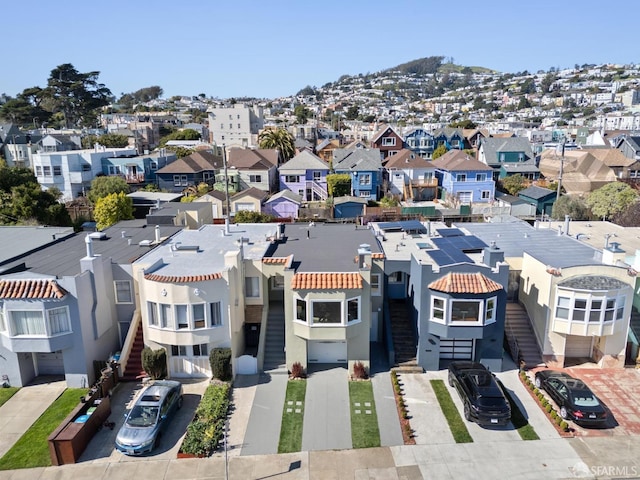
[{"x": 483, "y": 399}]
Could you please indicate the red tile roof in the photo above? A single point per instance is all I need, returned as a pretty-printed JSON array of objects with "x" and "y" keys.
[
  {"x": 39, "y": 289},
  {"x": 377, "y": 255},
  {"x": 326, "y": 281},
  {"x": 184, "y": 279},
  {"x": 465, "y": 283}
]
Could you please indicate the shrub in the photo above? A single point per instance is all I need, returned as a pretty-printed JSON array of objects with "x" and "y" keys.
[
  {"x": 536, "y": 392},
  {"x": 544, "y": 402},
  {"x": 207, "y": 427},
  {"x": 558, "y": 420},
  {"x": 548, "y": 408},
  {"x": 564, "y": 426},
  {"x": 360, "y": 371},
  {"x": 523, "y": 374},
  {"x": 220, "y": 361},
  {"x": 154, "y": 362},
  {"x": 552, "y": 413},
  {"x": 297, "y": 370}
]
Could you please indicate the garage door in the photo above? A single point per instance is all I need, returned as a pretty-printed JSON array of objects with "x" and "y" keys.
[
  {"x": 456, "y": 349},
  {"x": 250, "y": 207},
  {"x": 578, "y": 346},
  {"x": 465, "y": 197},
  {"x": 50, "y": 363},
  {"x": 327, "y": 352}
]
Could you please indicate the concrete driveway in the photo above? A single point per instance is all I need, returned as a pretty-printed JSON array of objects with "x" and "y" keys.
[{"x": 101, "y": 448}]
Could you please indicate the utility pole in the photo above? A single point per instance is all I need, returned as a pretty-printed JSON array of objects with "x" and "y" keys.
[
  {"x": 564, "y": 140},
  {"x": 226, "y": 182}
]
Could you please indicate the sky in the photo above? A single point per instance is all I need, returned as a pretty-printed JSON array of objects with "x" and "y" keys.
[{"x": 269, "y": 49}]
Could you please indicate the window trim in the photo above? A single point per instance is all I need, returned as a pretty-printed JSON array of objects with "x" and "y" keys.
[
  {"x": 388, "y": 142},
  {"x": 376, "y": 287},
  {"x": 257, "y": 293},
  {"x": 324, "y": 325},
  {"x": 115, "y": 289}
]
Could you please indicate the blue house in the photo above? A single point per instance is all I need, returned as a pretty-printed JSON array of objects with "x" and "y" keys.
[
  {"x": 509, "y": 156},
  {"x": 348, "y": 207},
  {"x": 139, "y": 169},
  {"x": 365, "y": 168},
  {"x": 192, "y": 170},
  {"x": 541, "y": 198},
  {"x": 452, "y": 138},
  {"x": 420, "y": 142},
  {"x": 464, "y": 178}
]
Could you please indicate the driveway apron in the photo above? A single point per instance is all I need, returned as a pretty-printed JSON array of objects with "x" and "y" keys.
[
  {"x": 327, "y": 418},
  {"x": 386, "y": 409},
  {"x": 263, "y": 429}
]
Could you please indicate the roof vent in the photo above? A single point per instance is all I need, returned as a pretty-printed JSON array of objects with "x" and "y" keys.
[
  {"x": 145, "y": 243},
  {"x": 98, "y": 235}
]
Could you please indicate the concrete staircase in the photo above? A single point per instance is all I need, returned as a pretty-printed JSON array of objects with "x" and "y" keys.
[
  {"x": 404, "y": 340},
  {"x": 134, "y": 369},
  {"x": 274, "y": 356},
  {"x": 519, "y": 331}
]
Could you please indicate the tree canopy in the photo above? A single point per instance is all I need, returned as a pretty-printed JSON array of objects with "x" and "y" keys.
[
  {"x": 111, "y": 209},
  {"x": 280, "y": 139},
  {"x": 629, "y": 217},
  {"x": 513, "y": 184},
  {"x": 339, "y": 184},
  {"x": 186, "y": 134},
  {"x": 439, "y": 151},
  {"x": 611, "y": 199},
  {"x": 106, "y": 185},
  {"x": 575, "y": 207}
]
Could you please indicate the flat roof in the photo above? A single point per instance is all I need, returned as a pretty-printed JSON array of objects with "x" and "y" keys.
[
  {"x": 541, "y": 243},
  {"x": 17, "y": 241},
  {"x": 121, "y": 243},
  {"x": 329, "y": 247},
  {"x": 180, "y": 258}
]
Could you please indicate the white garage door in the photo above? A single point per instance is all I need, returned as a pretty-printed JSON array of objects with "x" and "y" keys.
[
  {"x": 50, "y": 363},
  {"x": 578, "y": 346},
  {"x": 465, "y": 197},
  {"x": 251, "y": 207},
  {"x": 456, "y": 349},
  {"x": 327, "y": 352}
]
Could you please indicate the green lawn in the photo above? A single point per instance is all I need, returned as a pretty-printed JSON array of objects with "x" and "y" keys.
[
  {"x": 32, "y": 449},
  {"x": 456, "y": 424},
  {"x": 364, "y": 427},
  {"x": 519, "y": 421},
  {"x": 6, "y": 394},
  {"x": 291, "y": 427}
]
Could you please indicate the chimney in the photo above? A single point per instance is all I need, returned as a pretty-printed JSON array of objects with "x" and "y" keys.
[
  {"x": 492, "y": 255},
  {"x": 364, "y": 256},
  {"x": 157, "y": 231},
  {"x": 89, "y": 245},
  {"x": 226, "y": 225},
  {"x": 567, "y": 220},
  {"x": 612, "y": 254}
]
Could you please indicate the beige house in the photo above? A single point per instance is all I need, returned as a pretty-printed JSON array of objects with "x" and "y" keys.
[
  {"x": 582, "y": 171},
  {"x": 250, "y": 200}
]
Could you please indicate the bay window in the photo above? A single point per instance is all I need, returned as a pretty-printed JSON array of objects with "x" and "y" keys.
[
  {"x": 252, "y": 286},
  {"x": 301, "y": 310},
  {"x": 353, "y": 310},
  {"x": 185, "y": 317},
  {"x": 476, "y": 312},
  {"x": 49, "y": 322},
  {"x": 592, "y": 308},
  {"x": 58, "y": 320},
  {"x": 198, "y": 315},
  {"x": 216, "y": 314}
]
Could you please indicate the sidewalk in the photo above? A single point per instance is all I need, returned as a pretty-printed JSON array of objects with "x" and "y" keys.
[{"x": 24, "y": 408}]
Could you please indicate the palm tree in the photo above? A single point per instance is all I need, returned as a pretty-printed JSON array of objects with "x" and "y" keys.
[{"x": 280, "y": 139}]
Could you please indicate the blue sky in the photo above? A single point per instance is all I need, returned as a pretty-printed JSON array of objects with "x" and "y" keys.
[{"x": 274, "y": 48}]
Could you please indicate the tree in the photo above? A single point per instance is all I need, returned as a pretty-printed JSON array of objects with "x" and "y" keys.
[
  {"x": 106, "y": 185},
  {"x": 463, "y": 124},
  {"x": 111, "y": 209},
  {"x": 113, "y": 140},
  {"x": 629, "y": 217},
  {"x": 439, "y": 151},
  {"x": 186, "y": 134},
  {"x": 575, "y": 207},
  {"x": 611, "y": 199},
  {"x": 29, "y": 202},
  {"x": 352, "y": 112},
  {"x": 181, "y": 151},
  {"x": 247, "y": 216},
  {"x": 279, "y": 139},
  {"x": 302, "y": 113},
  {"x": 25, "y": 109},
  {"x": 77, "y": 95},
  {"x": 89, "y": 141},
  {"x": 339, "y": 184},
  {"x": 513, "y": 184}
]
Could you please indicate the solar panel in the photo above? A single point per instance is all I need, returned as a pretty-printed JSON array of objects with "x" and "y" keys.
[
  {"x": 442, "y": 257},
  {"x": 406, "y": 226},
  {"x": 449, "y": 232}
]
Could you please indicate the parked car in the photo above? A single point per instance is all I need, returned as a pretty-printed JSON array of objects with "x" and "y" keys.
[
  {"x": 149, "y": 416},
  {"x": 483, "y": 399},
  {"x": 574, "y": 398}
]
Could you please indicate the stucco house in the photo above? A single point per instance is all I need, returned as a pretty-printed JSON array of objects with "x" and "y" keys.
[{"x": 306, "y": 175}]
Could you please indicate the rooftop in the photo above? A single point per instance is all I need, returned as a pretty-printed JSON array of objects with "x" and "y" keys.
[{"x": 17, "y": 241}]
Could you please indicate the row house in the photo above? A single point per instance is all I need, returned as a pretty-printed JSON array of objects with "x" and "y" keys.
[
  {"x": 464, "y": 178},
  {"x": 192, "y": 170},
  {"x": 411, "y": 177},
  {"x": 509, "y": 156},
  {"x": 365, "y": 169},
  {"x": 306, "y": 175}
]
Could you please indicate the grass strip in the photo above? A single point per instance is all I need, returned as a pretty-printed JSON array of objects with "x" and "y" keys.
[
  {"x": 292, "y": 417},
  {"x": 456, "y": 424},
  {"x": 519, "y": 421},
  {"x": 7, "y": 393},
  {"x": 32, "y": 449},
  {"x": 364, "y": 426}
]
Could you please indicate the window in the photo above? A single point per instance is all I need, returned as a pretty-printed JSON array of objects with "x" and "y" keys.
[
  {"x": 58, "y": 320},
  {"x": 200, "y": 350},
  {"x": 57, "y": 170},
  {"x": 490, "y": 311},
  {"x": 502, "y": 157},
  {"x": 222, "y": 127},
  {"x": 481, "y": 177},
  {"x": 28, "y": 322},
  {"x": 461, "y": 177},
  {"x": 620, "y": 308},
  {"x": 324, "y": 312},
  {"x": 353, "y": 310},
  {"x": 123, "y": 291},
  {"x": 251, "y": 285},
  {"x": 38, "y": 171},
  {"x": 364, "y": 179},
  {"x": 239, "y": 126},
  {"x": 152, "y": 309},
  {"x": 301, "y": 310},
  {"x": 46, "y": 170},
  {"x": 86, "y": 167},
  {"x": 395, "y": 277},
  {"x": 255, "y": 178},
  {"x": 365, "y": 194},
  {"x": 465, "y": 310},
  {"x": 178, "y": 351},
  {"x": 317, "y": 176},
  {"x": 521, "y": 157},
  {"x": 3, "y": 326},
  {"x": 291, "y": 178},
  {"x": 579, "y": 309},
  {"x": 437, "y": 309},
  {"x": 562, "y": 308},
  {"x": 589, "y": 308},
  {"x": 389, "y": 142},
  {"x": 231, "y": 126},
  {"x": 181, "y": 316},
  {"x": 165, "y": 316},
  {"x": 198, "y": 315},
  {"x": 486, "y": 194},
  {"x": 114, "y": 169},
  {"x": 176, "y": 181},
  {"x": 375, "y": 285},
  {"x": 153, "y": 165},
  {"x": 215, "y": 311}
]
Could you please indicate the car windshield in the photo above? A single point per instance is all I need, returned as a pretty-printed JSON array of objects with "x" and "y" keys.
[
  {"x": 584, "y": 398},
  {"x": 491, "y": 401},
  {"x": 142, "y": 416}
]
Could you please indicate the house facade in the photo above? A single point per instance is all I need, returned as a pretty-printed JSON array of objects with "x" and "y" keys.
[
  {"x": 365, "y": 169},
  {"x": 236, "y": 126},
  {"x": 139, "y": 169},
  {"x": 284, "y": 204},
  {"x": 463, "y": 178},
  {"x": 192, "y": 170},
  {"x": 306, "y": 175},
  {"x": 451, "y": 138},
  {"x": 420, "y": 142},
  {"x": 256, "y": 168},
  {"x": 411, "y": 177},
  {"x": 509, "y": 156},
  {"x": 388, "y": 141}
]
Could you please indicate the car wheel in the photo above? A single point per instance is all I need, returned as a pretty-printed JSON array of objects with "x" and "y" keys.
[
  {"x": 450, "y": 380},
  {"x": 538, "y": 382},
  {"x": 467, "y": 412},
  {"x": 563, "y": 412},
  {"x": 180, "y": 402}
]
